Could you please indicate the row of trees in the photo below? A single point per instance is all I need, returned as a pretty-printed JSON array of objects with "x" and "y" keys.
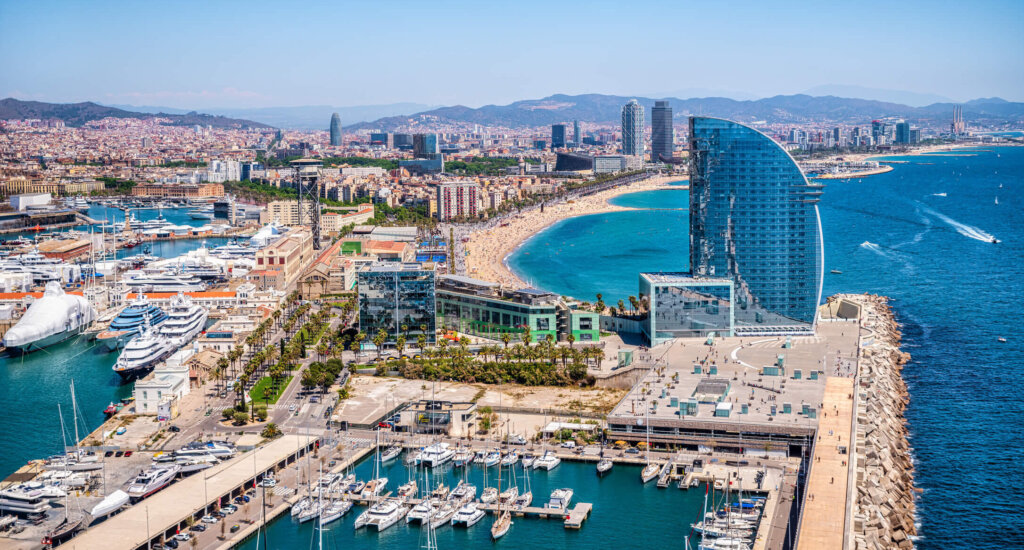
[{"x": 322, "y": 374}]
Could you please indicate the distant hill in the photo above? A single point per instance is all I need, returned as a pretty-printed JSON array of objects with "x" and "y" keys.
[
  {"x": 77, "y": 114},
  {"x": 306, "y": 117},
  {"x": 779, "y": 109}
]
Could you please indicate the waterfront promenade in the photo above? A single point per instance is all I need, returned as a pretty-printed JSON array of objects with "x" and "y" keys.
[{"x": 826, "y": 502}]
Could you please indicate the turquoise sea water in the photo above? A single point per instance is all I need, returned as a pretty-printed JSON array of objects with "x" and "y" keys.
[
  {"x": 32, "y": 385},
  {"x": 626, "y": 514},
  {"x": 954, "y": 291}
]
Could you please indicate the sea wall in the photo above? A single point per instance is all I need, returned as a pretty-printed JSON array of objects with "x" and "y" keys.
[{"x": 884, "y": 494}]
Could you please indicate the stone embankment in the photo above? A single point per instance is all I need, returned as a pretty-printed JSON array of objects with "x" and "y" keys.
[{"x": 883, "y": 513}]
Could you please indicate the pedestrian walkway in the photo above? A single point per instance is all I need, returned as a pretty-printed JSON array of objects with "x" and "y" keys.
[{"x": 825, "y": 506}]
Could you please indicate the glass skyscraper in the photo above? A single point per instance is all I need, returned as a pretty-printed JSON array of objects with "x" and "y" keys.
[
  {"x": 633, "y": 128},
  {"x": 393, "y": 295},
  {"x": 557, "y": 136},
  {"x": 661, "y": 131},
  {"x": 335, "y": 129},
  {"x": 754, "y": 220}
]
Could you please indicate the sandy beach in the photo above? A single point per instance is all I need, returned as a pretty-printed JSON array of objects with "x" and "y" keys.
[{"x": 488, "y": 247}]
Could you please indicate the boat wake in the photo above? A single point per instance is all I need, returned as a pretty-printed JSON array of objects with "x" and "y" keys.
[
  {"x": 962, "y": 228},
  {"x": 868, "y": 245},
  {"x": 938, "y": 194}
]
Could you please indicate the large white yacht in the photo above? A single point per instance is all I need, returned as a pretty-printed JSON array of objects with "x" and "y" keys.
[
  {"x": 382, "y": 515},
  {"x": 185, "y": 320},
  {"x": 22, "y": 499},
  {"x": 143, "y": 352},
  {"x": 51, "y": 319},
  {"x": 435, "y": 455},
  {"x": 152, "y": 480},
  {"x": 165, "y": 282},
  {"x": 218, "y": 449}
]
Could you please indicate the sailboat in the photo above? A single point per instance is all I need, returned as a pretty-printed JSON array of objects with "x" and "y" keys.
[
  {"x": 68, "y": 526},
  {"x": 378, "y": 484},
  {"x": 650, "y": 471},
  {"x": 525, "y": 498},
  {"x": 604, "y": 465},
  {"x": 503, "y": 522}
]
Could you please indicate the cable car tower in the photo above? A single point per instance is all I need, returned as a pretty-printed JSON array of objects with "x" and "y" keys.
[{"x": 307, "y": 182}]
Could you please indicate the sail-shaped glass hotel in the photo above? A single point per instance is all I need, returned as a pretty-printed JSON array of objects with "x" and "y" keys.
[{"x": 755, "y": 241}]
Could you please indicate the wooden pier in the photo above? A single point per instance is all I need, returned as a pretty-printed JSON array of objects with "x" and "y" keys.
[{"x": 572, "y": 519}]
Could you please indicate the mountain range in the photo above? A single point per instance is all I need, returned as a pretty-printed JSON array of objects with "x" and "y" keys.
[
  {"x": 77, "y": 114},
  {"x": 306, "y": 117},
  {"x": 800, "y": 108}
]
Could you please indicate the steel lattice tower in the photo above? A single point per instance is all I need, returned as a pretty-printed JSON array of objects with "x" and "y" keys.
[{"x": 307, "y": 182}]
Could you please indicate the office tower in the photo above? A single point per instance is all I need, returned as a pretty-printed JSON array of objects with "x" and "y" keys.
[
  {"x": 335, "y": 130},
  {"x": 457, "y": 200},
  {"x": 403, "y": 141},
  {"x": 957, "y": 127},
  {"x": 915, "y": 136},
  {"x": 754, "y": 220},
  {"x": 396, "y": 296},
  {"x": 837, "y": 135},
  {"x": 877, "y": 129},
  {"x": 902, "y": 132},
  {"x": 557, "y": 136},
  {"x": 577, "y": 137},
  {"x": 661, "y": 132},
  {"x": 381, "y": 138},
  {"x": 425, "y": 145},
  {"x": 633, "y": 128}
]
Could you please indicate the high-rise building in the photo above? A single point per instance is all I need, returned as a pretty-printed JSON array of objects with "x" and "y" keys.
[
  {"x": 577, "y": 137},
  {"x": 457, "y": 199},
  {"x": 335, "y": 129},
  {"x": 633, "y": 128},
  {"x": 397, "y": 298},
  {"x": 662, "y": 137},
  {"x": 877, "y": 129},
  {"x": 425, "y": 145},
  {"x": 403, "y": 141},
  {"x": 754, "y": 220},
  {"x": 902, "y": 132},
  {"x": 557, "y": 136},
  {"x": 381, "y": 138}
]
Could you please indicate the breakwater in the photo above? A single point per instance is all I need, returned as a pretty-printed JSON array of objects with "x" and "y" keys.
[{"x": 884, "y": 495}]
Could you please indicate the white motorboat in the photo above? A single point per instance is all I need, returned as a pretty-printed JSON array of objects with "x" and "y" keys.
[
  {"x": 80, "y": 461},
  {"x": 143, "y": 353},
  {"x": 152, "y": 480},
  {"x": 334, "y": 511},
  {"x": 166, "y": 282},
  {"x": 492, "y": 459},
  {"x": 528, "y": 461},
  {"x": 374, "y": 487},
  {"x": 463, "y": 492},
  {"x": 185, "y": 320},
  {"x": 203, "y": 213},
  {"x": 435, "y": 455},
  {"x": 468, "y": 515},
  {"x": 604, "y": 466},
  {"x": 443, "y": 515},
  {"x": 219, "y": 449},
  {"x": 524, "y": 500},
  {"x": 560, "y": 499},
  {"x": 408, "y": 490},
  {"x": 548, "y": 461},
  {"x": 480, "y": 457},
  {"x": 22, "y": 499},
  {"x": 390, "y": 453},
  {"x": 51, "y": 319},
  {"x": 189, "y": 464},
  {"x": 112, "y": 503},
  {"x": 510, "y": 459},
  {"x": 489, "y": 495},
  {"x": 724, "y": 544},
  {"x": 382, "y": 515},
  {"x": 422, "y": 512}
]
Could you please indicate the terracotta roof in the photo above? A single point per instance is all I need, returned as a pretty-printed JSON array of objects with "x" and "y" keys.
[
  {"x": 165, "y": 295},
  {"x": 265, "y": 272},
  {"x": 20, "y": 295}
]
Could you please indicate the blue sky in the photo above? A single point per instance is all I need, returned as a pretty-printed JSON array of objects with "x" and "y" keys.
[{"x": 254, "y": 53}]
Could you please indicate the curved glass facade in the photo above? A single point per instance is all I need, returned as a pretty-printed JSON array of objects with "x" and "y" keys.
[{"x": 754, "y": 219}]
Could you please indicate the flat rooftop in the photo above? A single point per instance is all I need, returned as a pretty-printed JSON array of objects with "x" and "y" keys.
[
  {"x": 730, "y": 371},
  {"x": 167, "y": 508}
]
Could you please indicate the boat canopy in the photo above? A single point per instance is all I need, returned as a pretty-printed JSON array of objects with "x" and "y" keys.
[{"x": 55, "y": 312}]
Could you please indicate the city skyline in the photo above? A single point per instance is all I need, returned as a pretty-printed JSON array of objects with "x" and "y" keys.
[{"x": 912, "y": 47}]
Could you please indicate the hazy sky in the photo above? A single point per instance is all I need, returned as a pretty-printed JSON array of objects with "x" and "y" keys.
[{"x": 253, "y": 53}]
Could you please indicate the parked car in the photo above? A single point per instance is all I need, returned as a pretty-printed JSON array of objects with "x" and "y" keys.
[
  {"x": 632, "y": 451},
  {"x": 199, "y": 527},
  {"x": 568, "y": 445},
  {"x": 170, "y": 543},
  {"x": 268, "y": 482},
  {"x": 174, "y": 429},
  {"x": 210, "y": 519},
  {"x": 235, "y": 528},
  {"x": 516, "y": 439},
  {"x": 229, "y": 509},
  {"x": 183, "y": 537}
]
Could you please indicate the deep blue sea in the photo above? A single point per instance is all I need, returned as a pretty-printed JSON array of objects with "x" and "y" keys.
[{"x": 920, "y": 235}]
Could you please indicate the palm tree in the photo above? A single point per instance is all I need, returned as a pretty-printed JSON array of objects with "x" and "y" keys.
[
  {"x": 421, "y": 341},
  {"x": 571, "y": 338},
  {"x": 505, "y": 339},
  {"x": 621, "y": 305},
  {"x": 400, "y": 343},
  {"x": 634, "y": 305},
  {"x": 378, "y": 341}
]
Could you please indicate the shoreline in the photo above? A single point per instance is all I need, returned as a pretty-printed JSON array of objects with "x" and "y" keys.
[{"x": 488, "y": 250}]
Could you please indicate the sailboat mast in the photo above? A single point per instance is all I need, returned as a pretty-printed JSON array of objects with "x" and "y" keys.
[{"x": 74, "y": 413}]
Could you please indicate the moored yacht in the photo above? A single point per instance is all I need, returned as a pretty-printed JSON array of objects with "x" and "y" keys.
[
  {"x": 185, "y": 320},
  {"x": 468, "y": 515},
  {"x": 142, "y": 353},
  {"x": 22, "y": 499},
  {"x": 382, "y": 515},
  {"x": 334, "y": 511},
  {"x": 51, "y": 319},
  {"x": 560, "y": 499},
  {"x": 423, "y": 511},
  {"x": 128, "y": 323},
  {"x": 166, "y": 282},
  {"x": 152, "y": 480},
  {"x": 547, "y": 462},
  {"x": 435, "y": 455}
]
